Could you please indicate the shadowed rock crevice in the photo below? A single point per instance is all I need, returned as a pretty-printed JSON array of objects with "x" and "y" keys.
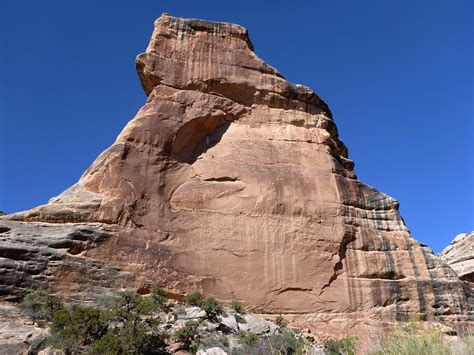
[{"x": 197, "y": 137}]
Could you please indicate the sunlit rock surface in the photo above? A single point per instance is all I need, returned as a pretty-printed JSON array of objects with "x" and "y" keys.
[{"x": 460, "y": 256}]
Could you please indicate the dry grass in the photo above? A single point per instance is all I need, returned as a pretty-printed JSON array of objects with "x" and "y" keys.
[{"x": 410, "y": 339}]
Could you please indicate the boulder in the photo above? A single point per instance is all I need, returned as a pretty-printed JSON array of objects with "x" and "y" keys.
[
  {"x": 229, "y": 321},
  {"x": 257, "y": 325},
  {"x": 212, "y": 351},
  {"x": 190, "y": 313}
]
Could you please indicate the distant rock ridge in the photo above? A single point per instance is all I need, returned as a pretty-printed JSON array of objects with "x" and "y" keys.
[
  {"x": 232, "y": 181},
  {"x": 460, "y": 256}
]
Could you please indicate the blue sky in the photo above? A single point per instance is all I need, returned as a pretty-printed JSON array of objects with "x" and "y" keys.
[{"x": 398, "y": 76}]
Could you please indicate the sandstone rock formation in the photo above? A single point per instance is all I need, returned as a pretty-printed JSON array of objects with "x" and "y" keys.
[
  {"x": 232, "y": 181},
  {"x": 460, "y": 256}
]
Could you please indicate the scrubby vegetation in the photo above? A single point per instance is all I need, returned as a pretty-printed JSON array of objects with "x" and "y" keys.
[
  {"x": 130, "y": 326},
  {"x": 40, "y": 306},
  {"x": 237, "y": 306},
  {"x": 247, "y": 338},
  {"x": 188, "y": 335},
  {"x": 287, "y": 342},
  {"x": 212, "y": 308},
  {"x": 135, "y": 324},
  {"x": 281, "y": 322},
  {"x": 408, "y": 338},
  {"x": 141, "y": 325},
  {"x": 194, "y": 299},
  {"x": 345, "y": 345}
]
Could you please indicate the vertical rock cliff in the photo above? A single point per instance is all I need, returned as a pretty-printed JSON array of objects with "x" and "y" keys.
[{"x": 233, "y": 181}]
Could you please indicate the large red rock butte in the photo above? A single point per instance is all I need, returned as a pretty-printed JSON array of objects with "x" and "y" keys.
[{"x": 232, "y": 181}]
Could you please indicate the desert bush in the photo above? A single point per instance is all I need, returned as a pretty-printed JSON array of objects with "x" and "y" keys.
[
  {"x": 281, "y": 322},
  {"x": 128, "y": 327},
  {"x": 131, "y": 306},
  {"x": 212, "y": 308},
  {"x": 408, "y": 339},
  {"x": 194, "y": 299},
  {"x": 158, "y": 295},
  {"x": 287, "y": 342},
  {"x": 188, "y": 335},
  {"x": 344, "y": 346},
  {"x": 247, "y": 338},
  {"x": 130, "y": 338},
  {"x": 40, "y": 306},
  {"x": 237, "y": 306},
  {"x": 77, "y": 326},
  {"x": 135, "y": 329}
]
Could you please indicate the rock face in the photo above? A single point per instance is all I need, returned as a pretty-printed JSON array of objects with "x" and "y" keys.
[
  {"x": 232, "y": 181},
  {"x": 460, "y": 256}
]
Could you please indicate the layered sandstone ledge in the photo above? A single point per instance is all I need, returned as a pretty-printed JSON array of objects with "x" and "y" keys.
[
  {"x": 460, "y": 256},
  {"x": 232, "y": 181}
]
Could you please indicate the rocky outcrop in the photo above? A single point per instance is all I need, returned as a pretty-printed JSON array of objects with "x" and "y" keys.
[
  {"x": 51, "y": 255},
  {"x": 18, "y": 334},
  {"x": 233, "y": 181},
  {"x": 460, "y": 256}
]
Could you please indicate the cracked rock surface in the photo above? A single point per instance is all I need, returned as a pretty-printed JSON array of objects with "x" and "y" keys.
[{"x": 232, "y": 181}]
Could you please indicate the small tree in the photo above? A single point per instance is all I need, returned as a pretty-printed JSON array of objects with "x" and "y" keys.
[
  {"x": 77, "y": 326},
  {"x": 134, "y": 330}
]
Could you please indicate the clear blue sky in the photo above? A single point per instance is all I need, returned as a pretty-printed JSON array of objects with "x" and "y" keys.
[{"x": 398, "y": 76}]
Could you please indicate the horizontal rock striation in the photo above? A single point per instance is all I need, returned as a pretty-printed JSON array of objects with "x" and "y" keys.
[
  {"x": 460, "y": 256},
  {"x": 42, "y": 255},
  {"x": 232, "y": 181}
]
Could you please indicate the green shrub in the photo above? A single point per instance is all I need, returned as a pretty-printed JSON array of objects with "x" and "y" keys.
[
  {"x": 188, "y": 335},
  {"x": 77, "y": 326},
  {"x": 129, "y": 327},
  {"x": 281, "y": 322},
  {"x": 158, "y": 295},
  {"x": 194, "y": 299},
  {"x": 287, "y": 342},
  {"x": 408, "y": 339},
  {"x": 131, "y": 306},
  {"x": 130, "y": 338},
  {"x": 237, "y": 306},
  {"x": 212, "y": 308},
  {"x": 40, "y": 306},
  {"x": 344, "y": 346},
  {"x": 247, "y": 338}
]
